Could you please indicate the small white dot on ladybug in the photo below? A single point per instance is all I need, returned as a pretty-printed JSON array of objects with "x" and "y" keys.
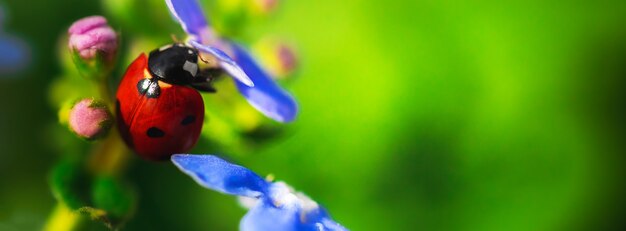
[
  {"x": 190, "y": 52},
  {"x": 145, "y": 83},
  {"x": 190, "y": 67}
]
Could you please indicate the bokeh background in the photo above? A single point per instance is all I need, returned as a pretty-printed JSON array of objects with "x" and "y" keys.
[{"x": 415, "y": 115}]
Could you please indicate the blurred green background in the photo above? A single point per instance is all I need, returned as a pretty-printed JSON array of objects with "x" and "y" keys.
[{"x": 415, "y": 115}]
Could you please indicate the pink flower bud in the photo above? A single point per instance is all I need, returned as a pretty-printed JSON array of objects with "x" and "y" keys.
[
  {"x": 266, "y": 6},
  {"x": 90, "y": 119},
  {"x": 278, "y": 57},
  {"x": 92, "y": 35},
  {"x": 287, "y": 58}
]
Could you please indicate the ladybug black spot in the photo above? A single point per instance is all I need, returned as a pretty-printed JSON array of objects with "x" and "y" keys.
[
  {"x": 188, "y": 120},
  {"x": 155, "y": 132}
]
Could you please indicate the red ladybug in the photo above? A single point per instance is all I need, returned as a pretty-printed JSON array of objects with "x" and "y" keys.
[{"x": 160, "y": 112}]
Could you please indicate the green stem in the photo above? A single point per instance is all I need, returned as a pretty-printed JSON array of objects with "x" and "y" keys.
[
  {"x": 105, "y": 92},
  {"x": 110, "y": 156},
  {"x": 62, "y": 219},
  {"x": 107, "y": 158}
]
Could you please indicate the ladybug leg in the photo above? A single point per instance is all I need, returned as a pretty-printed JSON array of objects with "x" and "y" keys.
[
  {"x": 202, "y": 58},
  {"x": 204, "y": 80}
]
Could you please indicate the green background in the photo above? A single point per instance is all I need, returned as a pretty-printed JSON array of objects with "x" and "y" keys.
[{"x": 415, "y": 115}]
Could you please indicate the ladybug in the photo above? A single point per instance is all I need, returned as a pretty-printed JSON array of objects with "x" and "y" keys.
[{"x": 160, "y": 111}]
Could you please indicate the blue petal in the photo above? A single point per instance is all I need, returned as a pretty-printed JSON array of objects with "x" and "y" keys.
[
  {"x": 13, "y": 55},
  {"x": 190, "y": 16},
  {"x": 225, "y": 62},
  {"x": 281, "y": 209},
  {"x": 264, "y": 216},
  {"x": 215, "y": 173},
  {"x": 331, "y": 225},
  {"x": 266, "y": 96},
  {"x": 318, "y": 219}
]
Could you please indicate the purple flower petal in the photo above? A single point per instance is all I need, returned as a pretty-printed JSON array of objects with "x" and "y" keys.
[
  {"x": 215, "y": 173},
  {"x": 86, "y": 24},
  {"x": 225, "y": 62},
  {"x": 190, "y": 16},
  {"x": 266, "y": 96},
  {"x": 91, "y": 35}
]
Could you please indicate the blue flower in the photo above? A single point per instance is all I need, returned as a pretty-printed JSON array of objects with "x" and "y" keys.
[
  {"x": 275, "y": 205},
  {"x": 252, "y": 81},
  {"x": 14, "y": 54}
]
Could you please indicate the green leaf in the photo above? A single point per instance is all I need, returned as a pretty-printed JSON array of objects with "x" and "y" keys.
[
  {"x": 109, "y": 194},
  {"x": 101, "y": 197},
  {"x": 66, "y": 183}
]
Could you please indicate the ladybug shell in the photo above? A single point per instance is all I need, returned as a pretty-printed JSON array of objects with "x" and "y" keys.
[{"x": 157, "y": 127}]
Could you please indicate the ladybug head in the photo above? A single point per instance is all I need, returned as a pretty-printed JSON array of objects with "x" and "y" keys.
[{"x": 174, "y": 63}]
